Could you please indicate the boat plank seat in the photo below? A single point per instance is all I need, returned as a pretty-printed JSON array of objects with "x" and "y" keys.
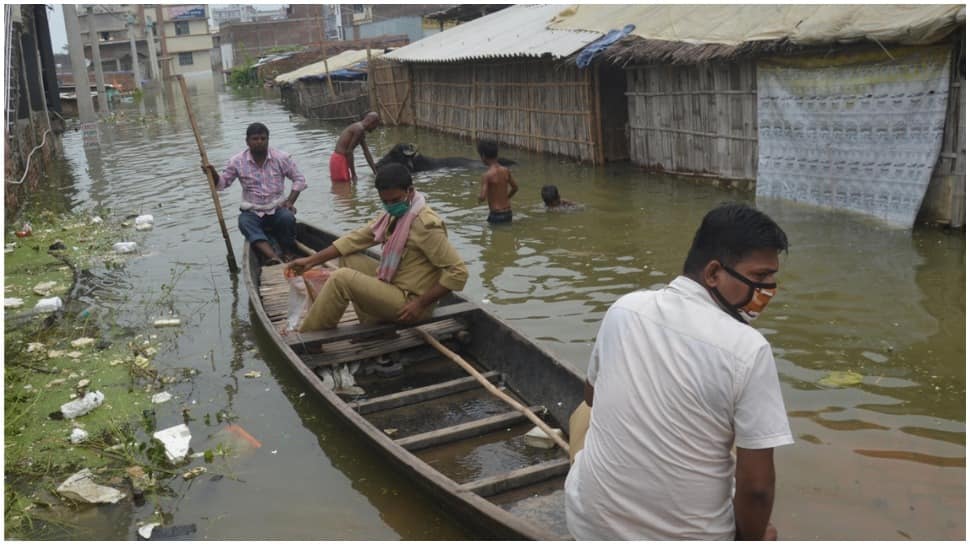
[
  {"x": 465, "y": 430},
  {"x": 311, "y": 340},
  {"x": 518, "y": 478},
  {"x": 350, "y": 350},
  {"x": 424, "y": 393}
]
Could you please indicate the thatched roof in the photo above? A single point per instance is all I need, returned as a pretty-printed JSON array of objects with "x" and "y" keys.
[{"x": 638, "y": 50}]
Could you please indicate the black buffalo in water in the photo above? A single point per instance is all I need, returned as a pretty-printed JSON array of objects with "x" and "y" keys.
[{"x": 407, "y": 155}]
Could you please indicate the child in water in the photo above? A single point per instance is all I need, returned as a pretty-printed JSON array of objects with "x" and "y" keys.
[{"x": 550, "y": 196}]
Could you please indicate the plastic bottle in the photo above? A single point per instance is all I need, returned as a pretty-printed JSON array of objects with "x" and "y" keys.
[{"x": 82, "y": 406}]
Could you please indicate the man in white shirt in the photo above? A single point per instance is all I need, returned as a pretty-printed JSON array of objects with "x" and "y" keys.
[{"x": 680, "y": 377}]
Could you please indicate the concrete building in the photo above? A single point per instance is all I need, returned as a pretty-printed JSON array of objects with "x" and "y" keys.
[
  {"x": 111, "y": 22},
  {"x": 185, "y": 38},
  {"x": 233, "y": 13}
]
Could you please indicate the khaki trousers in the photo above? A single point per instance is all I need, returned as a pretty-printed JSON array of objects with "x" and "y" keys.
[{"x": 354, "y": 282}]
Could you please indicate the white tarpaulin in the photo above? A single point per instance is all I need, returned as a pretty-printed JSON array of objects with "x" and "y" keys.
[
  {"x": 854, "y": 132},
  {"x": 733, "y": 24},
  {"x": 337, "y": 62}
]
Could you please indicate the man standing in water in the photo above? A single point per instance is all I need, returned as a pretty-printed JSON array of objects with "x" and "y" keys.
[
  {"x": 680, "y": 377},
  {"x": 342, "y": 161},
  {"x": 498, "y": 187},
  {"x": 261, "y": 171}
]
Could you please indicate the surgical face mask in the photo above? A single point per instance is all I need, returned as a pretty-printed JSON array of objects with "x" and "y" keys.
[
  {"x": 397, "y": 209},
  {"x": 759, "y": 295}
]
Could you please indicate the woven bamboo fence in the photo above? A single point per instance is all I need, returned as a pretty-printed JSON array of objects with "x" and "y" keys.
[
  {"x": 538, "y": 105},
  {"x": 698, "y": 119},
  {"x": 392, "y": 91},
  {"x": 313, "y": 100}
]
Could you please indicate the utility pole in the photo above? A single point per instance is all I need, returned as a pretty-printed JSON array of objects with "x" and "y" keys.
[
  {"x": 166, "y": 67},
  {"x": 152, "y": 55},
  {"x": 96, "y": 58},
  {"x": 134, "y": 50},
  {"x": 85, "y": 108}
]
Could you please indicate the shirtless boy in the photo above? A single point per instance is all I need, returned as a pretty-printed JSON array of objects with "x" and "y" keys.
[
  {"x": 498, "y": 187},
  {"x": 342, "y": 160}
]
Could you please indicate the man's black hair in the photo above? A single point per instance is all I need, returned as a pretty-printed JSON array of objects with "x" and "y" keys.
[
  {"x": 392, "y": 176},
  {"x": 550, "y": 194},
  {"x": 488, "y": 149},
  {"x": 730, "y": 232},
  {"x": 257, "y": 128}
]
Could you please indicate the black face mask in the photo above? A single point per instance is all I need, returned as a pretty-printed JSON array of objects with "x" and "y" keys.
[{"x": 749, "y": 309}]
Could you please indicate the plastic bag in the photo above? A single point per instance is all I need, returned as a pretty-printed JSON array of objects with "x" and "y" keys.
[{"x": 300, "y": 300}]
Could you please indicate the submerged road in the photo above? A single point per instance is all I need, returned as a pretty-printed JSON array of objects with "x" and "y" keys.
[{"x": 880, "y": 459}]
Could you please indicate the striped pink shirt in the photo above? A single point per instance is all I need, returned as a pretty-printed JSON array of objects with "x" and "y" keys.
[{"x": 261, "y": 185}]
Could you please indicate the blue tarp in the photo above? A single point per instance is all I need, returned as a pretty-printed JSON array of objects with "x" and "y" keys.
[
  {"x": 339, "y": 75},
  {"x": 586, "y": 56}
]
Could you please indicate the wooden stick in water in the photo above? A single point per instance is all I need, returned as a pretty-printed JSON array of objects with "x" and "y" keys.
[{"x": 493, "y": 389}]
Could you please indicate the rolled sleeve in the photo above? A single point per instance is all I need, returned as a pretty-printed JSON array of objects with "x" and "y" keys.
[
  {"x": 442, "y": 255},
  {"x": 291, "y": 171},
  {"x": 356, "y": 240},
  {"x": 227, "y": 176}
]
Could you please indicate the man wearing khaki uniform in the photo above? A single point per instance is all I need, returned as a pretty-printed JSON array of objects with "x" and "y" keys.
[{"x": 418, "y": 265}]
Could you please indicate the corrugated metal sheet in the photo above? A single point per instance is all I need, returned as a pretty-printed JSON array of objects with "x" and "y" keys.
[
  {"x": 337, "y": 62},
  {"x": 517, "y": 31}
]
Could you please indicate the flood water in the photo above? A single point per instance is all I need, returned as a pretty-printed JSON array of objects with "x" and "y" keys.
[{"x": 884, "y": 459}]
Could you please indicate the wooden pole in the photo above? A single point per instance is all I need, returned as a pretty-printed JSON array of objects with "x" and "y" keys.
[
  {"x": 598, "y": 115},
  {"x": 333, "y": 94},
  {"x": 492, "y": 389},
  {"x": 371, "y": 82},
  {"x": 230, "y": 256}
]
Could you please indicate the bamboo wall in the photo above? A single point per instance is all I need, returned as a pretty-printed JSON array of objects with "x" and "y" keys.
[
  {"x": 697, "y": 119},
  {"x": 312, "y": 99},
  {"x": 391, "y": 83},
  {"x": 532, "y": 104}
]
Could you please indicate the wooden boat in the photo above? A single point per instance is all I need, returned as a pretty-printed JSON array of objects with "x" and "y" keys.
[{"x": 434, "y": 421}]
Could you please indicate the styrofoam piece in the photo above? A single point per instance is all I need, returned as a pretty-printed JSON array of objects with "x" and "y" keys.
[
  {"x": 539, "y": 439},
  {"x": 144, "y": 219},
  {"x": 176, "y": 440},
  {"x": 78, "y": 436},
  {"x": 12, "y": 302},
  {"x": 82, "y": 406},
  {"x": 144, "y": 227},
  {"x": 125, "y": 247},
  {"x": 146, "y": 531}
]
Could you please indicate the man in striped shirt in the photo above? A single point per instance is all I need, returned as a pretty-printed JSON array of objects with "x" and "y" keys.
[{"x": 261, "y": 170}]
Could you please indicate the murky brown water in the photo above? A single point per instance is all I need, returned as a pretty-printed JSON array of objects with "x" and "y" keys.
[{"x": 884, "y": 459}]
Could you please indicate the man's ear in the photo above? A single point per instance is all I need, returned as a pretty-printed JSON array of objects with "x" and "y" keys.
[{"x": 710, "y": 273}]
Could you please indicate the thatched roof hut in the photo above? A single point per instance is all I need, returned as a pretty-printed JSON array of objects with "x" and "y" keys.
[
  {"x": 504, "y": 76},
  {"x": 857, "y": 107},
  {"x": 334, "y": 89}
]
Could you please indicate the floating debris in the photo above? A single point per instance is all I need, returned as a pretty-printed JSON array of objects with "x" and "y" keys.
[
  {"x": 841, "y": 379},
  {"x": 13, "y": 302},
  {"x": 44, "y": 288},
  {"x": 50, "y": 304},
  {"x": 80, "y": 407},
  {"x": 55, "y": 353},
  {"x": 74, "y": 354},
  {"x": 161, "y": 397},
  {"x": 539, "y": 439},
  {"x": 78, "y": 436},
  {"x": 141, "y": 361},
  {"x": 145, "y": 531},
  {"x": 125, "y": 247},
  {"x": 56, "y": 382},
  {"x": 83, "y": 383},
  {"x": 168, "y": 322},
  {"x": 176, "y": 440},
  {"x": 34, "y": 347},
  {"x": 874, "y": 357},
  {"x": 82, "y": 342},
  {"x": 253, "y": 374},
  {"x": 193, "y": 473},
  {"x": 97, "y": 219},
  {"x": 81, "y": 487}
]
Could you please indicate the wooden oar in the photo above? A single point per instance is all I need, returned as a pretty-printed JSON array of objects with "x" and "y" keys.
[
  {"x": 230, "y": 256},
  {"x": 493, "y": 389}
]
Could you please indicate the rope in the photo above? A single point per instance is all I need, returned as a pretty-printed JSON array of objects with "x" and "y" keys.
[{"x": 27, "y": 168}]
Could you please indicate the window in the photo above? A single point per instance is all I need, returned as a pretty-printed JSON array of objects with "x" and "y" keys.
[
  {"x": 185, "y": 58},
  {"x": 359, "y": 8},
  {"x": 181, "y": 28},
  {"x": 105, "y": 36}
]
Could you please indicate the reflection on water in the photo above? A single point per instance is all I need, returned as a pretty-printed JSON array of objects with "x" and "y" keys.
[{"x": 854, "y": 296}]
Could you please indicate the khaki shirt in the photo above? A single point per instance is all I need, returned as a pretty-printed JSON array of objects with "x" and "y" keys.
[{"x": 428, "y": 257}]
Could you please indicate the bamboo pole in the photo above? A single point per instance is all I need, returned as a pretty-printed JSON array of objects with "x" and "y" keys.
[
  {"x": 474, "y": 104},
  {"x": 230, "y": 256},
  {"x": 371, "y": 82},
  {"x": 329, "y": 78},
  {"x": 492, "y": 389},
  {"x": 598, "y": 117}
]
